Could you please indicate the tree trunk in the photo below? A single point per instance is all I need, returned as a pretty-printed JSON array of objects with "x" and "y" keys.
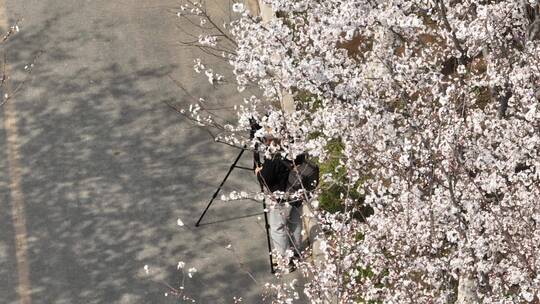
[
  {"x": 467, "y": 291},
  {"x": 266, "y": 11}
]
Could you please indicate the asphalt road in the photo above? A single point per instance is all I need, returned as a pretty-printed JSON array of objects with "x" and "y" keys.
[{"x": 95, "y": 169}]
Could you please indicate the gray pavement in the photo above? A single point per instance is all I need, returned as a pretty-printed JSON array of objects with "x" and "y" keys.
[{"x": 107, "y": 168}]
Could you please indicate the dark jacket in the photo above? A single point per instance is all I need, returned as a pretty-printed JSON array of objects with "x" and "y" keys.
[{"x": 274, "y": 174}]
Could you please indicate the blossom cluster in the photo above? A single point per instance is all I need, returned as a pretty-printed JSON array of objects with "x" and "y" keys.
[{"x": 436, "y": 105}]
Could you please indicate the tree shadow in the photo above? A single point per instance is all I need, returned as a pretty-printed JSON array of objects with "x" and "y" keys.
[{"x": 107, "y": 170}]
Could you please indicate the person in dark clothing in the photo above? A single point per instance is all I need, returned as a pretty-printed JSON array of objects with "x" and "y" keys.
[
  {"x": 285, "y": 219},
  {"x": 274, "y": 174}
]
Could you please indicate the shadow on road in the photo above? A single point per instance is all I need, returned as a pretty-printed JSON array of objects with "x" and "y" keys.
[{"x": 107, "y": 170}]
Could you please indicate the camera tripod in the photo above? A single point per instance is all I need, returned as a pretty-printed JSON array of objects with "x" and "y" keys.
[{"x": 256, "y": 161}]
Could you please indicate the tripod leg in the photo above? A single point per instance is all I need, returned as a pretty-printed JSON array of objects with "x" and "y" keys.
[
  {"x": 267, "y": 226},
  {"x": 220, "y": 185}
]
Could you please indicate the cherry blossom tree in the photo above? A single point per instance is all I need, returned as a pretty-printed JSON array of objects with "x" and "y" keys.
[{"x": 434, "y": 107}]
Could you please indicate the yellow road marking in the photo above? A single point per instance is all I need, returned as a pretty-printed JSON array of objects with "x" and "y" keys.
[
  {"x": 15, "y": 182},
  {"x": 17, "y": 203}
]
